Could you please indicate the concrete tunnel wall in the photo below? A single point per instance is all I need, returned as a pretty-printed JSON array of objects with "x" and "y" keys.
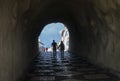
[
  {"x": 16, "y": 43},
  {"x": 93, "y": 25}
]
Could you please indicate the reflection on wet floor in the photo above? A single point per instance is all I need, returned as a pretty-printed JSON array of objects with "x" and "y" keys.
[{"x": 46, "y": 67}]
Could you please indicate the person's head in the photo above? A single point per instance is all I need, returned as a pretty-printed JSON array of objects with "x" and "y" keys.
[{"x": 53, "y": 40}]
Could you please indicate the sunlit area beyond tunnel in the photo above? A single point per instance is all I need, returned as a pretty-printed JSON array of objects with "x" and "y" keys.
[{"x": 53, "y": 31}]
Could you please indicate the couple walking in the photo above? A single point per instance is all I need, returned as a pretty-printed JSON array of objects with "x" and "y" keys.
[{"x": 61, "y": 46}]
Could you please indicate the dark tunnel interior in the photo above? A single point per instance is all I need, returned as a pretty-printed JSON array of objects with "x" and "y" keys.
[{"x": 93, "y": 27}]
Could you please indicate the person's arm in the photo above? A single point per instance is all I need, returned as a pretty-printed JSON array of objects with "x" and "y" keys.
[{"x": 59, "y": 45}]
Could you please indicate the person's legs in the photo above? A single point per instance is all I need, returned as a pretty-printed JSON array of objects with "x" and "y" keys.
[
  {"x": 54, "y": 53},
  {"x": 62, "y": 53}
]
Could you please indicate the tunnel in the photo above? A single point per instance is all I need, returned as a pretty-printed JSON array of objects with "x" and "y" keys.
[{"x": 93, "y": 27}]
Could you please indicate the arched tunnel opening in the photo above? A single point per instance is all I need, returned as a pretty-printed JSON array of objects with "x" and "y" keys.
[
  {"x": 53, "y": 31},
  {"x": 93, "y": 28}
]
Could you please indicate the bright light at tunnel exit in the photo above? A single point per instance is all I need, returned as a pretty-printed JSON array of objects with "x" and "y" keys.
[{"x": 53, "y": 31}]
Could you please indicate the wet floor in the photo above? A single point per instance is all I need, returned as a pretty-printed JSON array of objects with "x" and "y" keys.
[{"x": 69, "y": 67}]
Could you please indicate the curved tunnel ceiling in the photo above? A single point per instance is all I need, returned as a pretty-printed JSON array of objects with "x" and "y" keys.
[
  {"x": 77, "y": 11},
  {"x": 55, "y": 11}
]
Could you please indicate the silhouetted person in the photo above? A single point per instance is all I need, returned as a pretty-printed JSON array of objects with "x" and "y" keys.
[
  {"x": 62, "y": 48},
  {"x": 54, "y": 45}
]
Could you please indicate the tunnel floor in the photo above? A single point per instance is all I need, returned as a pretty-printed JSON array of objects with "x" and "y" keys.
[{"x": 71, "y": 67}]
